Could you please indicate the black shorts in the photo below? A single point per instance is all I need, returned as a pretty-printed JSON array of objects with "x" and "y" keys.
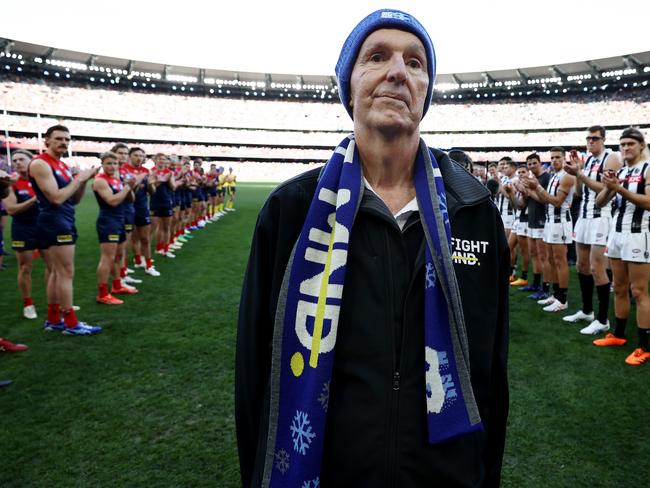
[
  {"x": 220, "y": 192},
  {"x": 232, "y": 190},
  {"x": 56, "y": 235},
  {"x": 212, "y": 192},
  {"x": 110, "y": 236},
  {"x": 24, "y": 237},
  {"x": 142, "y": 220},
  {"x": 162, "y": 212}
]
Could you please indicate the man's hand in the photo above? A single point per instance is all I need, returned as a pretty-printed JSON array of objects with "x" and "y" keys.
[
  {"x": 610, "y": 180},
  {"x": 87, "y": 173}
]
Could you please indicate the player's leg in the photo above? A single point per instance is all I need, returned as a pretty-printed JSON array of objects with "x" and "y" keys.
[
  {"x": 106, "y": 265},
  {"x": 639, "y": 274},
  {"x": 25, "y": 260}
]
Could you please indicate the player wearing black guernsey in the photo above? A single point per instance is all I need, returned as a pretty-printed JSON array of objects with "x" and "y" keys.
[
  {"x": 628, "y": 246},
  {"x": 515, "y": 192},
  {"x": 592, "y": 229},
  {"x": 558, "y": 228},
  {"x": 536, "y": 220}
]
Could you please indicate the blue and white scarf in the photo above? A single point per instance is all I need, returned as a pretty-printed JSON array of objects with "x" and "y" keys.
[{"x": 307, "y": 319}]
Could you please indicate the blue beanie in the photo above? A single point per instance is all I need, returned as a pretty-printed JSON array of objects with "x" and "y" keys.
[{"x": 381, "y": 19}]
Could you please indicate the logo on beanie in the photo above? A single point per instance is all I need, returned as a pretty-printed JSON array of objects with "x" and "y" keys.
[{"x": 395, "y": 15}]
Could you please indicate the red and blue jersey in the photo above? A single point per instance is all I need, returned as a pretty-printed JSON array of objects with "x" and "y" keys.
[
  {"x": 24, "y": 191},
  {"x": 63, "y": 176}
]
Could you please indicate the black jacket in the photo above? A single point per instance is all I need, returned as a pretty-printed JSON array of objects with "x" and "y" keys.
[{"x": 376, "y": 431}]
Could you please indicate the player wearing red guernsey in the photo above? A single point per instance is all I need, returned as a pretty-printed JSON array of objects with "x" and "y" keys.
[
  {"x": 111, "y": 193},
  {"x": 142, "y": 232},
  {"x": 126, "y": 173},
  {"x": 176, "y": 226},
  {"x": 57, "y": 193},
  {"x": 162, "y": 204},
  {"x": 21, "y": 205}
]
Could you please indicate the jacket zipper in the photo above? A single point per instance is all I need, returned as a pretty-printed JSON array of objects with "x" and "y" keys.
[{"x": 395, "y": 380}]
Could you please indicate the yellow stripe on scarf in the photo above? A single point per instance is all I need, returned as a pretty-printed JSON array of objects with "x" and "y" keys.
[{"x": 322, "y": 300}]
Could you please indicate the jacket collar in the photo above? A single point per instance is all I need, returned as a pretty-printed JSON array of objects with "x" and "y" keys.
[{"x": 462, "y": 188}]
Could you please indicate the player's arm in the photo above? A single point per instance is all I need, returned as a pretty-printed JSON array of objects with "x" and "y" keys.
[
  {"x": 172, "y": 182},
  {"x": 613, "y": 162},
  {"x": 105, "y": 192},
  {"x": 13, "y": 207},
  {"x": 641, "y": 201},
  {"x": 45, "y": 180},
  {"x": 563, "y": 191}
]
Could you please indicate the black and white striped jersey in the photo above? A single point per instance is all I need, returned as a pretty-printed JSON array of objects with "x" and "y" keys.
[
  {"x": 503, "y": 202},
  {"x": 562, "y": 213},
  {"x": 629, "y": 217},
  {"x": 593, "y": 169}
]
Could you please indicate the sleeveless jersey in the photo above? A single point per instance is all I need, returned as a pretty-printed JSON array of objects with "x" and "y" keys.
[
  {"x": 503, "y": 202},
  {"x": 141, "y": 203},
  {"x": 24, "y": 191},
  {"x": 108, "y": 212},
  {"x": 560, "y": 214},
  {"x": 594, "y": 170},
  {"x": 629, "y": 217},
  {"x": 63, "y": 177},
  {"x": 537, "y": 210},
  {"x": 162, "y": 197}
]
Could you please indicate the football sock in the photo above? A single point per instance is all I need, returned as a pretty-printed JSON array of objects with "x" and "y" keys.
[
  {"x": 137, "y": 259},
  {"x": 546, "y": 287},
  {"x": 619, "y": 331},
  {"x": 27, "y": 301},
  {"x": 537, "y": 279},
  {"x": 644, "y": 336},
  {"x": 556, "y": 291},
  {"x": 69, "y": 318},
  {"x": 524, "y": 275},
  {"x": 602, "y": 291},
  {"x": 148, "y": 262},
  {"x": 53, "y": 313},
  {"x": 103, "y": 289},
  {"x": 117, "y": 284},
  {"x": 561, "y": 294},
  {"x": 123, "y": 272},
  {"x": 587, "y": 290}
]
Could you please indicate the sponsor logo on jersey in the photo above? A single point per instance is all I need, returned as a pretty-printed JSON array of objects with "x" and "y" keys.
[
  {"x": 17, "y": 243},
  {"x": 113, "y": 237},
  {"x": 64, "y": 238}
]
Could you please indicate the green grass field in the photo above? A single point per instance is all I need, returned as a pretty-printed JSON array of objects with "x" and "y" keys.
[{"x": 149, "y": 402}]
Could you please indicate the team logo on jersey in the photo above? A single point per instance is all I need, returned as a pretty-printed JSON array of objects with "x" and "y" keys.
[{"x": 466, "y": 251}]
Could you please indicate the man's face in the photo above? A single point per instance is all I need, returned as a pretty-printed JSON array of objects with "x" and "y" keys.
[
  {"x": 557, "y": 160},
  {"x": 509, "y": 170},
  {"x": 136, "y": 158},
  {"x": 492, "y": 170},
  {"x": 521, "y": 172},
  {"x": 20, "y": 162},
  {"x": 110, "y": 166},
  {"x": 534, "y": 166},
  {"x": 595, "y": 143},
  {"x": 631, "y": 149},
  {"x": 389, "y": 82},
  {"x": 161, "y": 162},
  {"x": 122, "y": 155},
  {"x": 58, "y": 142}
]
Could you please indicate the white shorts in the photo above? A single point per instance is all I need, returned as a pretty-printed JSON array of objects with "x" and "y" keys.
[
  {"x": 535, "y": 233},
  {"x": 558, "y": 233},
  {"x": 593, "y": 232},
  {"x": 522, "y": 229},
  {"x": 629, "y": 247},
  {"x": 508, "y": 221}
]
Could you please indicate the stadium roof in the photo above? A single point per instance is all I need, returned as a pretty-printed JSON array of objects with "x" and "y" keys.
[{"x": 598, "y": 68}]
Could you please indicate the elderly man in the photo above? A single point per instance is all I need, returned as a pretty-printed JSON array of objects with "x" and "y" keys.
[{"x": 372, "y": 336}]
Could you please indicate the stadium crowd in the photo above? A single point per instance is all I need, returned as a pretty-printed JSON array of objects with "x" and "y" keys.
[
  {"x": 620, "y": 109},
  {"x": 167, "y": 204}
]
